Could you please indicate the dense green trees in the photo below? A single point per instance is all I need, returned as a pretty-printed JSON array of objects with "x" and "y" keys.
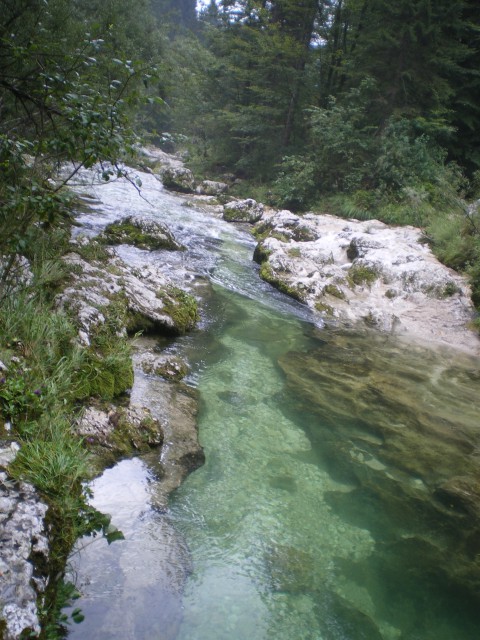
[
  {"x": 68, "y": 86},
  {"x": 276, "y": 69}
]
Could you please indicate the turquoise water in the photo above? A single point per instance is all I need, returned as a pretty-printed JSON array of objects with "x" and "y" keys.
[
  {"x": 324, "y": 509},
  {"x": 284, "y": 543},
  {"x": 262, "y": 538}
]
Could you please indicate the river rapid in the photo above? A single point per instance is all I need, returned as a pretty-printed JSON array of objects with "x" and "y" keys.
[{"x": 319, "y": 513}]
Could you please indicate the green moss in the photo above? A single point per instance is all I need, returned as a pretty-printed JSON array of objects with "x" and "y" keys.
[
  {"x": 359, "y": 274},
  {"x": 261, "y": 231},
  {"x": 280, "y": 236},
  {"x": 324, "y": 308},
  {"x": 261, "y": 254},
  {"x": 333, "y": 290},
  {"x": 126, "y": 439},
  {"x": 94, "y": 251},
  {"x": 107, "y": 370},
  {"x": 266, "y": 273},
  {"x": 294, "y": 252},
  {"x": 181, "y": 307},
  {"x": 127, "y": 233}
]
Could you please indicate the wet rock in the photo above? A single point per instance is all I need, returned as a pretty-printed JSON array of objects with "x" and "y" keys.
[
  {"x": 134, "y": 299},
  {"x": 248, "y": 210},
  {"x": 117, "y": 432},
  {"x": 354, "y": 272},
  {"x": 347, "y": 621},
  {"x": 176, "y": 406},
  {"x": 22, "y": 536},
  {"x": 166, "y": 366},
  {"x": 286, "y": 225},
  {"x": 141, "y": 232},
  {"x": 177, "y": 178}
]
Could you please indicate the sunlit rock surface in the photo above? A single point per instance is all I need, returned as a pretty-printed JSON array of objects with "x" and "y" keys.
[{"x": 366, "y": 273}]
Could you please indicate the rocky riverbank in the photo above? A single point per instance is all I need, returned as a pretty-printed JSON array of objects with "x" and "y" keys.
[
  {"x": 351, "y": 273},
  {"x": 368, "y": 274},
  {"x": 108, "y": 301}
]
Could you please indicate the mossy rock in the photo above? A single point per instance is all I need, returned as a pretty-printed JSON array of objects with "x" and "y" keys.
[
  {"x": 323, "y": 307},
  {"x": 170, "y": 368},
  {"x": 122, "y": 432},
  {"x": 142, "y": 233},
  {"x": 333, "y": 290},
  {"x": 266, "y": 273},
  {"x": 360, "y": 274},
  {"x": 181, "y": 307},
  {"x": 261, "y": 254},
  {"x": 178, "y": 179}
]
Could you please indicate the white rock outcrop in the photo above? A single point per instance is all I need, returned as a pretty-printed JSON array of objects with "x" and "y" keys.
[{"x": 352, "y": 271}]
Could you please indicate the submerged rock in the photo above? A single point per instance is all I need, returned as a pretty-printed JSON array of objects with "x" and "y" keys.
[
  {"x": 140, "y": 232},
  {"x": 366, "y": 273},
  {"x": 401, "y": 426}
]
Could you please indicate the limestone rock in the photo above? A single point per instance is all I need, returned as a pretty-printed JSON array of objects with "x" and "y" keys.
[
  {"x": 118, "y": 431},
  {"x": 364, "y": 272},
  {"x": 19, "y": 273},
  {"x": 22, "y": 534},
  {"x": 248, "y": 210},
  {"x": 142, "y": 232},
  {"x": 139, "y": 298},
  {"x": 178, "y": 178},
  {"x": 211, "y": 188},
  {"x": 166, "y": 366}
]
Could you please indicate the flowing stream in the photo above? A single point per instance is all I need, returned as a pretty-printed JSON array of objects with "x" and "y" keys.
[{"x": 303, "y": 524}]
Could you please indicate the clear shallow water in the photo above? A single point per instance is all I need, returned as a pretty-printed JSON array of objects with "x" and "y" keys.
[{"x": 298, "y": 527}]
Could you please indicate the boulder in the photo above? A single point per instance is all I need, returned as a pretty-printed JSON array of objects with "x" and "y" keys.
[
  {"x": 211, "y": 188},
  {"x": 177, "y": 178},
  {"x": 118, "y": 431},
  {"x": 248, "y": 210},
  {"x": 135, "y": 299},
  {"x": 141, "y": 232}
]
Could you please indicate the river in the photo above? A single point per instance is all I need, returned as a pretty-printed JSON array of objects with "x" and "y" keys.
[{"x": 314, "y": 517}]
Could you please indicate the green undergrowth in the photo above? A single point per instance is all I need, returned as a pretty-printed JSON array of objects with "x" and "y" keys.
[{"x": 48, "y": 376}]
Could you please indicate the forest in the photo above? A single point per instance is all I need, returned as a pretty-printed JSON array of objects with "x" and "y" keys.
[
  {"x": 364, "y": 109},
  {"x": 361, "y": 108}
]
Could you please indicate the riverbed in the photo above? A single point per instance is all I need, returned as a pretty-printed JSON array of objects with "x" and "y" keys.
[{"x": 323, "y": 510}]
